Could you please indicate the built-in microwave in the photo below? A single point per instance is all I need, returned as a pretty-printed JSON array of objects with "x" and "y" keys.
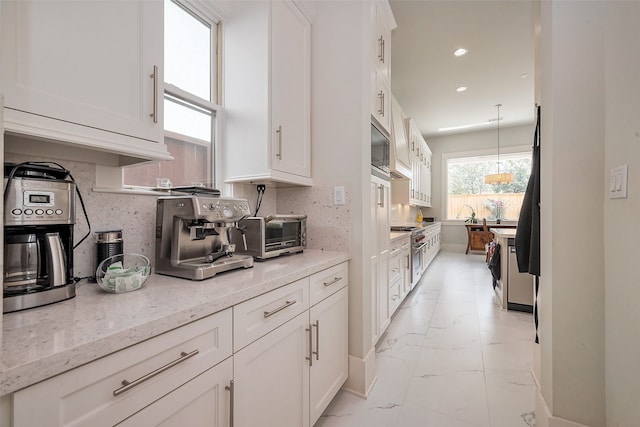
[{"x": 379, "y": 152}]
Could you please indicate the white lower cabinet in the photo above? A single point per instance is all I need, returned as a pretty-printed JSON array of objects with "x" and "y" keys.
[
  {"x": 287, "y": 377},
  {"x": 329, "y": 368},
  {"x": 271, "y": 378},
  {"x": 112, "y": 389},
  {"x": 202, "y": 402},
  {"x": 290, "y": 359}
]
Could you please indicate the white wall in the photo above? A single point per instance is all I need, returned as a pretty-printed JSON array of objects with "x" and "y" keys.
[
  {"x": 340, "y": 138},
  {"x": 571, "y": 298},
  {"x": 622, "y": 146}
]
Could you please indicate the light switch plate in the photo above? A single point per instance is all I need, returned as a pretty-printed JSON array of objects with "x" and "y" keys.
[
  {"x": 338, "y": 196},
  {"x": 618, "y": 182}
]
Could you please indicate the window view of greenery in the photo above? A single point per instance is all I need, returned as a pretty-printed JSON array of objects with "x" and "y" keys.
[{"x": 468, "y": 197}]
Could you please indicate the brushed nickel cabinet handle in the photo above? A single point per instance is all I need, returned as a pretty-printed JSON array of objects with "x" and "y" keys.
[
  {"x": 381, "y": 101},
  {"x": 310, "y": 358},
  {"x": 381, "y": 49},
  {"x": 154, "y": 76},
  {"x": 282, "y": 307},
  {"x": 231, "y": 389},
  {"x": 126, "y": 385},
  {"x": 317, "y": 352},
  {"x": 279, "y": 132},
  {"x": 381, "y": 203},
  {"x": 335, "y": 280}
]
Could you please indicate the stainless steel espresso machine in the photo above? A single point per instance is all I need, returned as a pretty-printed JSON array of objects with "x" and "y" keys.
[
  {"x": 39, "y": 216},
  {"x": 193, "y": 235}
]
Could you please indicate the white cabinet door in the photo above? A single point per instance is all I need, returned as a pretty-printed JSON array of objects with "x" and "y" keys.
[
  {"x": 85, "y": 63},
  {"x": 271, "y": 378},
  {"x": 380, "y": 223},
  {"x": 267, "y": 92},
  {"x": 381, "y": 100},
  {"x": 330, "y": 365},
  {"x": 290, "y": 94},
  {"x": 202, "y": 402}
]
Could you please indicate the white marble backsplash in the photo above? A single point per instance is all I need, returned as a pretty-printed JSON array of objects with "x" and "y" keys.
[
  {"x": 328, "y": 226},
  {"x": 135, "y": 215}
]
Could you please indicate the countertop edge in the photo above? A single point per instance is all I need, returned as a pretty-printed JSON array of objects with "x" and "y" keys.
[{"x": 19, "y": 376}]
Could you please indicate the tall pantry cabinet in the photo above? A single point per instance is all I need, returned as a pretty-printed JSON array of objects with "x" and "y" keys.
[
  {"x": 382, "y": 23},
  {"x": 267, "y": 91},
  {"x": 381, "y": 246}
]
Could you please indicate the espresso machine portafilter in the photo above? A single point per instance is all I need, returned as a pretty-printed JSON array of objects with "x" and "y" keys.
[{"x": 193, "y": 235}]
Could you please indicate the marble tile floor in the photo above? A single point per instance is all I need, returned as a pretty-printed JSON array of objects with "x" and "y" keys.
[{"x": 450, "y": 358}]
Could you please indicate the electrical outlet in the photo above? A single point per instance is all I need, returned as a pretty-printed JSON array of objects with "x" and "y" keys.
[{"x": 261, "y": 188}]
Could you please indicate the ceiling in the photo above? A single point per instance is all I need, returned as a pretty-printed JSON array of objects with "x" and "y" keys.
[{"x": 498, "y": 69}]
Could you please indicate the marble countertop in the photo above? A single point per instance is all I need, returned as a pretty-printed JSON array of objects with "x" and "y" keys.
[
  {"x": 42, "y": 342},
  {"x": 399, "y": 235},
  {"x": 503, "y": 232}
]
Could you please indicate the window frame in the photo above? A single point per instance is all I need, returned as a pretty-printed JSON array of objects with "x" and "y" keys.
[
  {"x": 513, "y": 149},
  {"x": 110, "y": 179}
]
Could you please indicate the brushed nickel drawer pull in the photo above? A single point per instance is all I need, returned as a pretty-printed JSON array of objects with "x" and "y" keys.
[
  {"x": 126, "y": 385},
  {"x": 154, "y": 76},
  {"x": 285, "y": 305},
  {"x": 335, "y": 280},
  {"x": 310, "y": 358},
  {"x": 317, "y": 352},
  {"x": 279, "y": 132},
  {"x": 231, "y": 389}
]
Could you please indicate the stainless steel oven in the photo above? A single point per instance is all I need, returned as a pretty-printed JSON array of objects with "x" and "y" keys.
[{"x": 418, "y": 241}]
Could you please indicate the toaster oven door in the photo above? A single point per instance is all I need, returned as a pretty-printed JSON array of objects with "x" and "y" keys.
[{"x": 283, "y": 234}]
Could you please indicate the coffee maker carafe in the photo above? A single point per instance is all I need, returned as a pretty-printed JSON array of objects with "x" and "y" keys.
[{"x": 39, "y": 217}]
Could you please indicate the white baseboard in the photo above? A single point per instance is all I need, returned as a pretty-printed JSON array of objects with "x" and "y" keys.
[
  {"x": 544, "y": 418},
  {"x": 362, "y": 374}
]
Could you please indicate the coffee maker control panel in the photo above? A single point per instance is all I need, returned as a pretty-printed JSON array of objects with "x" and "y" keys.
[
  {"x": 224, "y": 209},
  {"x": 34, "y": 202}
]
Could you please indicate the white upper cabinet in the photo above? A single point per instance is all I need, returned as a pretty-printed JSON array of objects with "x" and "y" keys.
[
  {"x": 267, "y": 92},
  {"x": 86, "y": 73},
  {"x": 417, "y": 190},
  {"x": 382, "y": 22},
  {"x": 400, "y": 152}
]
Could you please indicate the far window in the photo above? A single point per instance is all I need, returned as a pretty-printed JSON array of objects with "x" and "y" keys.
[
  {"x": 467, "y": 192},
  {"x": 190, "y": 100}
]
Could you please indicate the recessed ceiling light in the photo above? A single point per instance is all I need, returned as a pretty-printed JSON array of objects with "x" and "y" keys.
[
  {"x": 464, "y": 126},
  {"x": 461, "y": 89},
  {"x": 461, "y": 51}
]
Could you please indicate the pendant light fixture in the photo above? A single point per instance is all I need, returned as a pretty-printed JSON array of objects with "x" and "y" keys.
[{"x": 498, "y": 178}]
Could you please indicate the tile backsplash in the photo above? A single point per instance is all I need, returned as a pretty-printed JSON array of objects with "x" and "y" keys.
[{"x": 134, "y": 214}]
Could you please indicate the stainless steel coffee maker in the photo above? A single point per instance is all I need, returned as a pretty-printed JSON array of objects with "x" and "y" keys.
[
  {"x": 39, "y": 216},
  {"x": 193, "y": 235}
]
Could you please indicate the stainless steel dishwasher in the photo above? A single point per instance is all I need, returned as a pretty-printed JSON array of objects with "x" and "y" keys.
[{"x": 519, "y": 285}]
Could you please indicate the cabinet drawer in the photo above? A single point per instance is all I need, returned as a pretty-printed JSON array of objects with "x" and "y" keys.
[
  {"x": 262, "y": 314},
  {"x": 395, "y": 267},
  {"x": 394, "y": 295},
  {"x": 326, "y": 282},
  {"x": 93, "y": 394}
]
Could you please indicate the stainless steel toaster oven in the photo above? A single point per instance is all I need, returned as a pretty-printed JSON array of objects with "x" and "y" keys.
[{"x": 274, "y": 235}]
